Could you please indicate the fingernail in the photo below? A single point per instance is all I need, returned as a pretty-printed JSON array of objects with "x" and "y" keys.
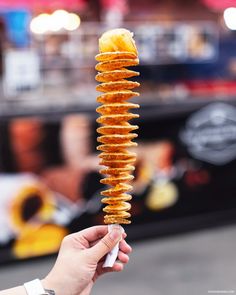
[{"x": 116, "y": 232}]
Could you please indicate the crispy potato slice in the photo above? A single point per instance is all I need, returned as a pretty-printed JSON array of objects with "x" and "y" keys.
[
  {"x": 115, "y": 75},
  {"x": 115, "y": 55},
  {"x": 117, "y": 40},
  {"x": 116, "y": 96},
  {"x": 116, "y": 64}
]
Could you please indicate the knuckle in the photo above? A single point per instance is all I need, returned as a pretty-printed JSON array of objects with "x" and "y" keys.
[
  {"x": 66, "y": 240},
  {"x": 82, "y": 241}
]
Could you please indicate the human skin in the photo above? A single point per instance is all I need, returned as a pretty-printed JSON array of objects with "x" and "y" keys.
[{"x": 80, "y": 259}]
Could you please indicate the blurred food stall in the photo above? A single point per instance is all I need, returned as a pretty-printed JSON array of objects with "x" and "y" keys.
[{"x": 48, "y": 161}]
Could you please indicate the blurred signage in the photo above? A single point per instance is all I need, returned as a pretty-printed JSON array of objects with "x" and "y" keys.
[
  {"x": 210, "y": 134},
  {"x": 17, "y": 23},
  {"x": 177, "y": 43},
  {"x": 22, "y": 71}
]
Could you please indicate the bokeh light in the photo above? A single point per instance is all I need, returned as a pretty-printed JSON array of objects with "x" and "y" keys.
[
  {"x": 73, "y": 22},
  {"x": 230, "y": 18},
  {"x": 57, "y": 21},
  {"x": 40, "y": 24}
]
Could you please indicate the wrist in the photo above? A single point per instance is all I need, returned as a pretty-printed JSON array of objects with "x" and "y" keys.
[
  {"x": 20, "y": 290},
  {"x": 50, "y": 285},
  {"x": 36, "y": 287}
]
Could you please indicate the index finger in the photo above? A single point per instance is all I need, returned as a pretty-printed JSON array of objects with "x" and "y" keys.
[{"x": 94, "y": 233}]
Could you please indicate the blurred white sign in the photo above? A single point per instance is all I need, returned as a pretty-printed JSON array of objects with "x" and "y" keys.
[
  {"x": 22, "y": 71},
  {"x": 210, "y": 134}
]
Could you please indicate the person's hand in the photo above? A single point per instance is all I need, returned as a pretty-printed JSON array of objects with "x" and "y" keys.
[{"x": 81, "y": 257}]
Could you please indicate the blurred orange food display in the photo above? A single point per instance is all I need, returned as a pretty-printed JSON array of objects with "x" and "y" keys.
[
  {"x": 29, "y": 216},
  {"x": 27, "y": 137},
  {"x": 32, "y": 204},
  {"x": 173, "y": 179},
  {"x": 44, "y": 240}
]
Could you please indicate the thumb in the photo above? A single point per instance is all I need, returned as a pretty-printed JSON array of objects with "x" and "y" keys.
[{"x": 106, "y": 244}]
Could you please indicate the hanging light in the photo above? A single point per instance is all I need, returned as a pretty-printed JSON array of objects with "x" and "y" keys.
[
  {"x": 40, "y": 24},
  {"x": 57, "y": 21},
  {"x": 73, "y": 22},
  {"x": 230, "y": 18}
]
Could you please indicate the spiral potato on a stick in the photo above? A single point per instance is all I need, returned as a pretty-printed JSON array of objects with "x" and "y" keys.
[{"x": 117, "y": 52}]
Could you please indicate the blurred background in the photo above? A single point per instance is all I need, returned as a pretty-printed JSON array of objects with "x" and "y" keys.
[{"x": 184, "y": 199}]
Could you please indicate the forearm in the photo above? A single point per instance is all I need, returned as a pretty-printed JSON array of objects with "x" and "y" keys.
[{"x": 14, "y": 291}]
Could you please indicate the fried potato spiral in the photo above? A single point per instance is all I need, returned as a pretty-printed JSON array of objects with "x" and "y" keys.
[{"x": 116, "y": 132}]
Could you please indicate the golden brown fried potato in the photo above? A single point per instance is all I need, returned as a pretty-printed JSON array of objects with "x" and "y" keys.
[
  {"x": 120, "y": 198},
  {"x": 116, "y": 64},
  {"x": 107, "y": 56},
  {"x": 116, "y": 96},
  {"x": 116, "y": 119},
  {"x": 116, "y": 147},
  {"x": 116, "y": 129},
  {"x": 117, "y": 52},
  {"x": 116, "y": 108},
  {"x": 117, "y": 40},
  {"x": 116, "y": 86},
  {"x": 117, "y": 171},
  {"x": 115, "y": 75}
]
